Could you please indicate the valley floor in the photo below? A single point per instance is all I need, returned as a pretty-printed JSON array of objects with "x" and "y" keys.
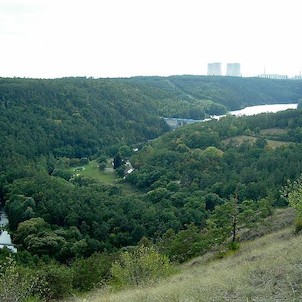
[{"x": 266, "y": 269}]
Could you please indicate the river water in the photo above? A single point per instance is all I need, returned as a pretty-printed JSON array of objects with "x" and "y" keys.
[
  {"x": 252, "y": 110},
  {"x": 4, "y": 235}
]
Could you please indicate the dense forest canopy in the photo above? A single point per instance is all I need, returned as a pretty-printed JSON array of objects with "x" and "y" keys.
[
  {"x": 79, "y": 116},
  {"x": 182, "y": 182},
  {"x": 73, "y": 117},
  {"x": 232, "y": 92}
]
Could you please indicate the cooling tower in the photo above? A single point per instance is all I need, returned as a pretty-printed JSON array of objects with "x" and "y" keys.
[
  {"x": 233, "y": 69},
  {"x": 214, "y": 69}
]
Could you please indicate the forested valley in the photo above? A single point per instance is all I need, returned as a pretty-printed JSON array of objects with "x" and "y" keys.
[{"x": 189, "y": 191}]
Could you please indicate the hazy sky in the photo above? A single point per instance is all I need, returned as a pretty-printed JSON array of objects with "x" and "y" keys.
[{"x": 121, "y": 38}]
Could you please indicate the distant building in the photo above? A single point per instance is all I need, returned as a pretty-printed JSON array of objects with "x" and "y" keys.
[
  {"x": 297, "y": 77},
  {"x": 233, "y": 69},
  {"x": 273, "y": 76},
  {"x": 214, "y": 69},
  {"x": 174, "y": 122}
]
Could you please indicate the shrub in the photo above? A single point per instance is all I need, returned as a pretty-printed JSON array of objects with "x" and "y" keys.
[
  {"x": 90, "y": 272},
  {"x": 140, "y": 266},
  {"x": 57, "y": 280},
  {"x": 298, "y": 225},
  {"x": 17, "y": 284},
  {"x": 102, "y": 166}
]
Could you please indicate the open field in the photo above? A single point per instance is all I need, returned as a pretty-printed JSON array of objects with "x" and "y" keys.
[
  {"x": 273, "y": 131},
  {"x": 92, "y": 170},
  {"x": 264, "y": 270},
  {"x": 239, "y": 139},
  {"x": 275, "y": 144},
  {"x": 244, "y": 138}
]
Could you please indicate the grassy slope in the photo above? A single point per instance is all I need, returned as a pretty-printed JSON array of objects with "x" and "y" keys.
[
  {"x": 242, "y": 138},
  {"x": 268, "y": 268},
  {"x": 92, "y": 170},
  {"x": 265, "y": 132}
]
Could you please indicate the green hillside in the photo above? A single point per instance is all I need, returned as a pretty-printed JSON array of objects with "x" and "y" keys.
[
  {"x": 78, "y": 117},
  {"x": 91, "y": 176},
  {"x": 73, "y": 117},
  {"x": 265, "y": 269},
  {"x": 232, "y": 92}
]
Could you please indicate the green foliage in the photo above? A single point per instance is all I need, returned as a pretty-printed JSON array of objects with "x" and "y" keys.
[
  {"x": 65, "y": 174},
  {"x": 125, "y": 151},
  {"x": 229, "y": 218},
  {"x": 293, "y": 192},
  {"x": 51, "y": 281},
  {"x": 228, "y": 92},
  {"x": 173, "y": 185},
  {"x": 236, "y": 93},
  {"x": 91, "y": 272},
  {"x": 29, "y": 227},
  {"x": 23, "y": 207},
  {"x": 72, "y": 117},
  {"x": 184, "y": 245},
  {"x": 142, "y": 265},
  {"x": 234, "y": 246},
  {"x": 57, "y": 281},
  {"x": 102, "y": 166},
  {"x": 298, "y": 225},
  {"x": 180, "y": 190},
  {"x": 76, "y": 117},
  {"x": 17, "y": 284}
]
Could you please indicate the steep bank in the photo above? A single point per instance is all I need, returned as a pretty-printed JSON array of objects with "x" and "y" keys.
[{"x": 266, "y": 269}]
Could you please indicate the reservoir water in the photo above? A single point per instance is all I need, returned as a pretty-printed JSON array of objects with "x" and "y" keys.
[{"x": 251, "y": 110}]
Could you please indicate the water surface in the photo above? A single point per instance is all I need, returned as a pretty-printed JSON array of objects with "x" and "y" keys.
[
  {"x": 5, "y": 237},
  {"x": 252, "y": 110}
]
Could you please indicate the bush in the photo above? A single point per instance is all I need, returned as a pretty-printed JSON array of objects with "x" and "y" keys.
[
  {"x": 57, "y": 280},
  {"x": 90, "y": 272},
  {"x": 140, "y": 266},
  {"x": 17, "y": 283},
  {"x": 234, "y": 246},
  {"x": 298, "y": 225},
  {"x": 102, "y": 166},
  {"x": 184, "y": 245}
]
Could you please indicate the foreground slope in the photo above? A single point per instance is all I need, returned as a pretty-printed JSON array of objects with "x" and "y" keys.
[{"x": 266, "y": 269}]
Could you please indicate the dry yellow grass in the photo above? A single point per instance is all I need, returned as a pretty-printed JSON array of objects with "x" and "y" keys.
[
  {"x": 239, "y": 139},
  {"x": 273, "y": 131},
  {"x": 264, "y": 270}
]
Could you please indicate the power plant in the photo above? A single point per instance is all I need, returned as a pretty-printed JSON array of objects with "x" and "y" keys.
[
  {"x": 214, "y": 69},
  {"x": 233, "y": 69}
]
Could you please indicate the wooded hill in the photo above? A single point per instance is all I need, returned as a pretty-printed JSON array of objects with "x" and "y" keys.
[
  {"x": 232, "y": 92},
  {"x": 186, "y": 184},
  {"x": 77, "y": 117}
]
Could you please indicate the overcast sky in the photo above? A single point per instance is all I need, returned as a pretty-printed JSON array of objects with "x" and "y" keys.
[{"x": 122, "y": 38}]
